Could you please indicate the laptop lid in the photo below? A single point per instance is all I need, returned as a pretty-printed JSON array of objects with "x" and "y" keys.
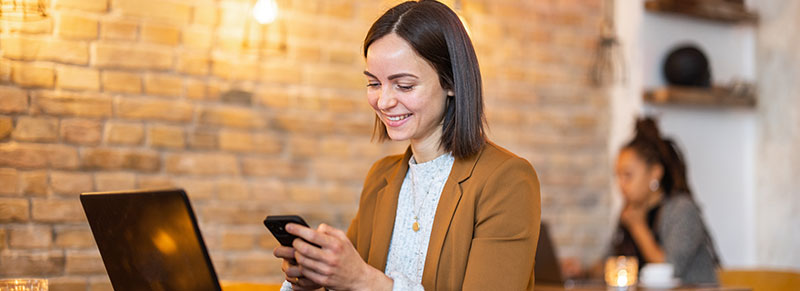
[
  {"x": 149, "y": 240},
  {"x": 547, "y": 268}
]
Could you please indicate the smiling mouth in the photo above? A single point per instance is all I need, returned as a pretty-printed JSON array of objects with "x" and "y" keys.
[{"x": 398, "y": 118}]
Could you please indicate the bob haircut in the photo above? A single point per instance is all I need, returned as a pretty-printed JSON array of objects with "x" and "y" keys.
[{"x": 438, "y": 36}]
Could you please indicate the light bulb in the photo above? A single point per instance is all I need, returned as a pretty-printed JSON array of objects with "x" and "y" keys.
[{"x": 265, "y": 11}]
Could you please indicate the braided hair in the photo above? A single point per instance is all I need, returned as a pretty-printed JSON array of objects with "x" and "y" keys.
[{"x": 656, "y": 150}]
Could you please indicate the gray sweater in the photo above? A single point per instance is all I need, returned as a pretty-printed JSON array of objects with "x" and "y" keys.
[{"x": 686, "y": 242}]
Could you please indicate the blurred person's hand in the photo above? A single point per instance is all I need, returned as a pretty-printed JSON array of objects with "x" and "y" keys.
[
  {"x": 571, "y": 267},
  {"x": 633, "y": 215}
]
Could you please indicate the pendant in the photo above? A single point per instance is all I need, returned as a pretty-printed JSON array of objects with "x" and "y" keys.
[{"x": 415, "y": 226}]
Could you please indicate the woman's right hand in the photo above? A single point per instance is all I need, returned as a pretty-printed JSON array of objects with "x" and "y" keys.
[{"x": 292, "y": 270}]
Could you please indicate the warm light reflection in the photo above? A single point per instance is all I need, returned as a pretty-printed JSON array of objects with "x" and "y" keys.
[
  {"x": 164, "y": 242},
  {"x": 466, "y": 26},
  {"x": 621, "y": 271},
  {"x": 265, "y": 11}
]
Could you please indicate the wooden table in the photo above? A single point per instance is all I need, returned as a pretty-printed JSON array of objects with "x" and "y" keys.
[{"x": 604, "y": 288}]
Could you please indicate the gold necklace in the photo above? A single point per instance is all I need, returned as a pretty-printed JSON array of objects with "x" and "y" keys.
[{"x": 415, "y": 208}]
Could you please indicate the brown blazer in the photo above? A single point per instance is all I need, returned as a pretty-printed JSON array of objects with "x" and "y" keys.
[{"x": 486, "y": 225}]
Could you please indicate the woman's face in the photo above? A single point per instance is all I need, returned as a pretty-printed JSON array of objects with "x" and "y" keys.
[
  {"x": 634, "y": 176},
  {"x": 404, "y": 90}
]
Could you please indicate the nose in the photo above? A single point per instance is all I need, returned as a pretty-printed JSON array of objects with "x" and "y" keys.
[{"x": 386, "y": 99}]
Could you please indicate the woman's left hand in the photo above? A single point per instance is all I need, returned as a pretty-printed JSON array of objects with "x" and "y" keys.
[
  {"x": 335, "y": 263},
  {"x": 633, "y": 215}
]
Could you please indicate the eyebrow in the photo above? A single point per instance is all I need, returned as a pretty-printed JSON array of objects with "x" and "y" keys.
[{"x": 392, "y": 77}]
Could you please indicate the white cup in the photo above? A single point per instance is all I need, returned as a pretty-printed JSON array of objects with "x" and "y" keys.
[{"x": 657, "y": 274}]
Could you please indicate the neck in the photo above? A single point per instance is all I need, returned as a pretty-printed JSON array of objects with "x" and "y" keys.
[{"x": 426, "y": 149}]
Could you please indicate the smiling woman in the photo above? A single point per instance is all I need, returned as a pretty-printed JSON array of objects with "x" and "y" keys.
[{"x": 455, "y": 211}]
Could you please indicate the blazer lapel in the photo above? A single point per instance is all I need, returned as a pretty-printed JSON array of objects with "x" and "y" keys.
[
  {"x": 451, "y": 196},
  {"x": 385, "y": 210}
]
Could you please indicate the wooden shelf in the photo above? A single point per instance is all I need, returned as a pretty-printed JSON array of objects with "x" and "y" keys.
[
  {"x": 727, "y": 11},
  {"x": 700, "y": 97}
]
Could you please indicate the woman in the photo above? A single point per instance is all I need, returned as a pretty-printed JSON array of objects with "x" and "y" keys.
[
  {"x": 455, "y": 211},
  {"x": 660, "y": 222}
]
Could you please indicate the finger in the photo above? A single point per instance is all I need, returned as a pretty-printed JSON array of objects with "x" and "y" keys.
[
  {"x": 283, "y": 252},
  {"x": 308, "y": 250},
  {"x": 316, "y": 266},
  {"x": 315, "y": 277},
  {"x": 332, "y": 231},
  {"x": 307, "y": 234},
  {"x": 293, "y": 271},
  {"x": 305, "y": 284}
]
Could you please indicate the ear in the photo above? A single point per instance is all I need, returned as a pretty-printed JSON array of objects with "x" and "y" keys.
[{"x": 656, "y": 172}]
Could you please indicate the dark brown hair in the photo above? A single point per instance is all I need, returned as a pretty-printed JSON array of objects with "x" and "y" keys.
[
  {"x": 654, "y": 149},
  {"x": 436, "y": 33}
]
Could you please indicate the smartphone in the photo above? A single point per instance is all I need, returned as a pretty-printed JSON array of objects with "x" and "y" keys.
[{"x": 277, "y": 226}]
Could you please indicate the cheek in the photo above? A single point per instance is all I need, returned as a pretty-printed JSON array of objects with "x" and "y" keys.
[{"x": 372, "y": 99}]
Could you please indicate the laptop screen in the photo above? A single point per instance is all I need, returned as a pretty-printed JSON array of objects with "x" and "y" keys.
[{"x": 149, "y": 240}]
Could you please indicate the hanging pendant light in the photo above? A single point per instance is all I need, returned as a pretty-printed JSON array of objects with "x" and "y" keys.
[
  {"x": 23, "y": 10},
  {"x": 265, "y": 11}
]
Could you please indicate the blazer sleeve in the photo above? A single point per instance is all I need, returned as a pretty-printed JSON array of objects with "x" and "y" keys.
[{"x": 508, "y": 217}]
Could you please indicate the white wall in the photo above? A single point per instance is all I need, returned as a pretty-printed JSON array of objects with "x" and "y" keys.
[{"x": 719, "y": 143}]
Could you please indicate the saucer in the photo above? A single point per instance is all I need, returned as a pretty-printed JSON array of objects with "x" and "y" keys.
[{"x": 674, "y": 282}]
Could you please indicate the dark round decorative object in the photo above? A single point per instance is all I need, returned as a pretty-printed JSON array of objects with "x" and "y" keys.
[{"x": 687, "y": 66}]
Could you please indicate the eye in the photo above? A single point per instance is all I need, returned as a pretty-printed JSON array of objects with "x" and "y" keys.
[
  {"x": 405, "y": 88},
  {"x": 373, "y": 85}
]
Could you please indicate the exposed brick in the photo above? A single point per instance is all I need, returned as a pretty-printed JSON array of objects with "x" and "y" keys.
[
  {"x": 42, "y": 26},
  {"x": 237, "y": 240},
  {"x": 86, "y": 5},
  {"x": 161, "y": 34},
  {"x": 9, "y": 179},
  {"x": 253, "y": 265},
  {"x": 116, "y": 55},
  {"x": 22, "y": 156},
  {"x": 73, "y": 237},
  {"x": 196, "y": 89},
  {"x": 197, "y": 188},
  {"x": 118, "y": 30},
  {"x": 56, "y": 210},
  {"x": 172, "y": 12},
  {"x": 163, "y": 85},
  {"x": 241, "y": 141},
  {"x": 3, "y": 240},
  {"x": 76, "y": 26},
  {"x": 235, "y": 69},
  {"x": 104, "y": 285},
  {"x": 203, "y": 140},
  {"x": 202, "y": 164},
  {"x": 232, "y": 117},
  {"x": 281, "y": 71},
  {"x": 67, "y": 284},
  {"x": 197, "y": 37},
  {"x": 273, "y": 98},
  {"x": 303, "y": 146},
  {"x": 81, "y": 131},
  {"x": 34, "y": 183},
  {"x": 155, "y": 182},
  {"x": 71, "y": 184},
  {"x": 167, "y": 110},
  {"x": 268, "y": 190},
  {"x": 6, "y": 126},
  {"x": 205, "y": 15},
  {"x": 119, "y": 133},
  {"x": 167, "y": 137},
  {"x": 305, "y": 193},
  {"x": 13, "y": 100},
  {"x": 33, "y": 74},
  {"x": 122, "y": 82},
  {"x": 232, "y": 189},
  {"x": 31, "y": 263},
  {"x": 331, "y": 77},
  {"x": 71, "y": 104},
  {"x": 116, "y": 159},
  {"x": 14, "y": 209},
  {"x": 30, "y": 237},
  {"x": 114, "y": 181},
  {"x": 194, "y": 64},
  {"x": 77, "y": 78},
  {"x": 273, "y": 167},
  {"x": 82, "y": 262},
  {"x": 36, "y": 129},
  {"x": 30, "y": 48}
]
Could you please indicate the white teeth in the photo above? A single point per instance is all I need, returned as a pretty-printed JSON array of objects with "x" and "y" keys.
[{"x": 398, "y": 118}]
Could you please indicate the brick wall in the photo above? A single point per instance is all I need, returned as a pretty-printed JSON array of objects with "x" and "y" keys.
[{"x": 254, "y": 120}]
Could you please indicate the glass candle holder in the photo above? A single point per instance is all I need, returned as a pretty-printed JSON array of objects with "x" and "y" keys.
[
  {"x": 621, "y": 271},
  {"x": 23, "y": 284}
]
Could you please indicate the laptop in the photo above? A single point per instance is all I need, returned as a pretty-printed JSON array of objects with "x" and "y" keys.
[
  {"x": 149, "y": 240},
  {"x": 548, "y": 267}
]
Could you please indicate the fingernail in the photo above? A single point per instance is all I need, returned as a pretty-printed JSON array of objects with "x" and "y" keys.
[{"x": 289, "y": 227}]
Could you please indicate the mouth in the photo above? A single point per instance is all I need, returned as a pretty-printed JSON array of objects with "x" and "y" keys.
[{"x": 398, "y": 118}]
